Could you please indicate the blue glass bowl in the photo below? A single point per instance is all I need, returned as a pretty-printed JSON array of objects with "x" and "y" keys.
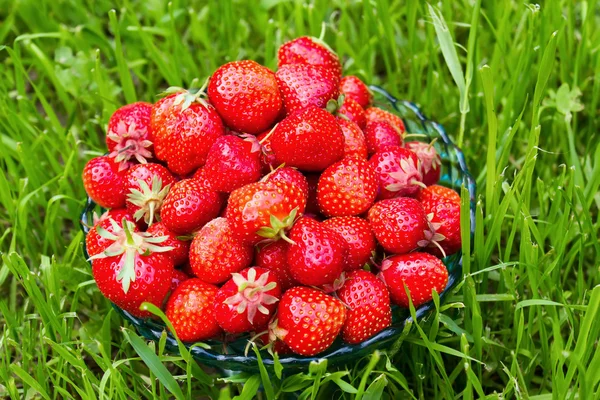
[{"x": 230, "y": 355}]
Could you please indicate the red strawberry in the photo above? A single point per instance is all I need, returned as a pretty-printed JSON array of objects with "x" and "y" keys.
[
  {"x": 353, "y": 88},
  {"x": 378, "y": 114},
  {"x": 181, "y": 248},
  {"x": 400, "y": 225},
  {"x": 245, "y": 95},
  {"x": 318, "y": 254},
  {"x": 430, "y": 161},
  {"x": 380, "y": 134},
  {"x": 309, "y": 320},
  {"x": 437, "y": 193},
  {"x": 359, "y": 237},
  {"x": 104, "y": 182},
  {"x": 290, "y": 176},
  {"x": 347, "y": 187},
  {"x": 355, "y": 144},
  {"x": 420, "y": 272},
  {"x": 190, "y": 310},
  {"x": 310, "y": 140},
  {"x": 184, "y": 128},
  {"x": 273, "y": 256},
  {"x": 398, "y": 170},
  {"x": 444, "y": 217},
  {"x": 264, "y": 210},
  {"x": 203, "y": 179},
  {"x": 304, "y": 85},
  {"x": 233, "y": 162},
  {"x": 112, "y": 222},
  {"x": 247, "y": 301},
  {"x": 267, "y": 157},
  {"x": 116, "y": 213},
  {"x": 309, "y": 50},
  {"x": 354, "y": 112},
  {"x": 178, "y": 278},
  {"x": 369, "y": 302},
  {"x": 189, "y": 206},
  {"x": 128, "y": 136},
  {"x": 215, "y": 253},
  {"x": 147, "y": 186},
  {"x": 132, "y": 269}
]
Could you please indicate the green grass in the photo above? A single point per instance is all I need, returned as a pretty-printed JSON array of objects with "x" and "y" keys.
[{"x": 520, "y": 91}]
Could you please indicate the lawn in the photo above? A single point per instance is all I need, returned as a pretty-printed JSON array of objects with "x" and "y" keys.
[{"x": 518, "y": 87}]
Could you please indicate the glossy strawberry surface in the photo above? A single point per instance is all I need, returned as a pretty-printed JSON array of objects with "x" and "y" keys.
[
  {"x": 104, "y": 182},
  {"x": 353, "y": 88}
]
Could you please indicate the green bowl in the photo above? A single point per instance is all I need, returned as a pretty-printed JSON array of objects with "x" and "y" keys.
[{"x": 230, "y": 355}]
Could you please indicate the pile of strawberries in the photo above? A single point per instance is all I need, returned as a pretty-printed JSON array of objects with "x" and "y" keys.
[{"x": 278, "y": 204}]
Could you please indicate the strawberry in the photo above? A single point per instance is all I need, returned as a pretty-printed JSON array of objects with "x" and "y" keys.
[
  {"x": 437, "y": 193},
  {"x": 104, "y": 182},
  {"x": 116, "y": 213},
  {"x": 245, "y": 95},
  {"x": 317, "y": 255},
  {"x": 430, "y": 161},
  {"x": 267, "y": 158},
  {"x": 353, "y": 88},
  {"x": 233, "y": 162},
  {"x": 112, "y": 222},
  {"x": 420, "y": 272},
  {"x": 128, "y": 136},
  {"x": 308, "y": 320},
  {"x": 304, "y": 85},
  {"x": 347, "y": 187},
  {"x": 369, "y": 302},
  {"x": 184, "y": 128},
  {"x": 290, "y": 176},
  {"x": 132, "y": 269},
  {"x": 355, "y": 144},
  {"x": 181, "y": 248},
  {"x": 380, "y": 134},
  {"x": 189, "y": 206},
  {"x": 352, "y": 111},
  {"x": 310, "y": 140},
  {"x": 190, "y": 311},
  {"x": 273, "y": 256},
  {"x": 398, "y": 171},
  {"x": 400, "y": 225},
  {"x": 147, "y": 186},
  {"x": 444, "y": 217},
  {"x": 247, "y": 301},
  {"x": 359, "y": 237},
  {"x": 309, "y": 50},
  {"x": 215, "y": 253},
  {"x": 202, "y": 177},
  {"x": 264, "y": 210},
  {"x": 178, "y": 278},
  {"x": 378, "y": 114}
]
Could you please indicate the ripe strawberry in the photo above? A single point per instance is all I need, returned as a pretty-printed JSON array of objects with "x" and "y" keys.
[
  {"x": 112, "y": 222},
  {"x": 116, "y": 213},
  {"x": 378, "y": 114},
  {"x": 309, "y": 50},
  {"x": 400, "y": 225},
  {"x": 290, "y": 176},
  {"x": 359, "y": 237},
  {"x": 353, "y": 88},
  {"x": 104, "y": 182},
  {"x": 318, "y": 254},
  {"x": 184, "y": 128},
  {"x": 190, "y": 310},
  {"x": 380, "y": 134},
  {"x": 245, "y": 95},
  {"x": 347, "y": 187},
  {"x": 202, "y": 177},
  {"x": 132, "y": 269},
  {"x": 437, "y": 193},
  {"x": 309, "y": 320},
  {"x": 369, "y": 302},
  {"x": 444, "y": 217},
  {"x": 355, "y": 144},
  {"x": 189, "y": 206},
  {"x": 147, "y": 186},
  {"x": 304, "y": 85},
  {"x": 178, "y": 278},
  {"x": 128, "y": 136},
  {"x": 181, "y": 248},
  {"x": 247, "y": 301},
  {"x": 310, "y": 140},
  {"x": 268, "y": 160},
  {"x": 398, "y": 170},
  {"x": 421, "y": 272},
  {"x": 215, "y": 253},
  {"x": 354, "y": 112},
  {"x": 264, "y": 210},
  {"x": 430, "y": 164},
  {"x": 273, "y": 256},
  {"x": 233, "y": 162}
]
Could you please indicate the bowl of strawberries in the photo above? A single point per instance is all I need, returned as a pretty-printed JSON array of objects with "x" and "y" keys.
[{"x": 299, "y": 210}]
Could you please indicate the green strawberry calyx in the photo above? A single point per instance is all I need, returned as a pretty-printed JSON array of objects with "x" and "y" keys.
[
  {"x": 252, "y": 294},
  {"x": 279, "y": 227},
  {"x": 148, "y": 199},
  {"x": 130, "y": 246},
  {"x": 185, "y": 97}
]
